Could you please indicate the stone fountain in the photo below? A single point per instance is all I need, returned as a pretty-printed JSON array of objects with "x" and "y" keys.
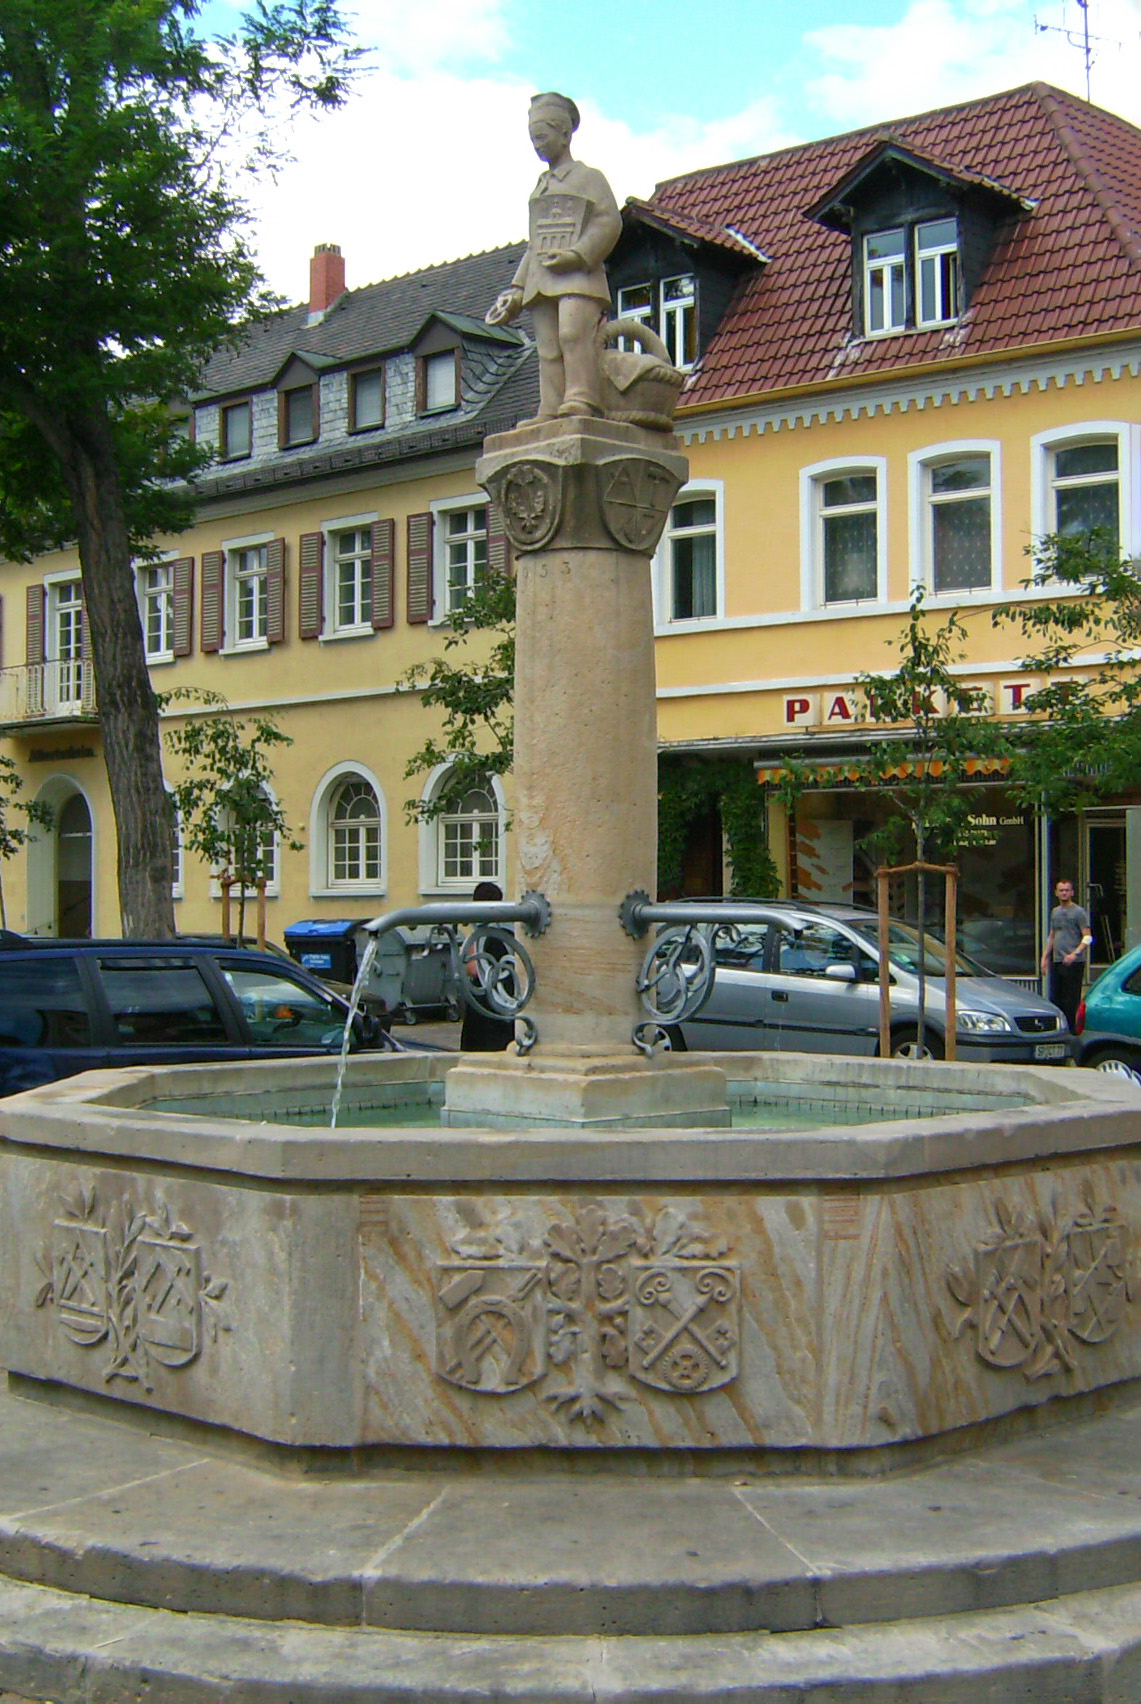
[{"x": 520, "y": 1408}]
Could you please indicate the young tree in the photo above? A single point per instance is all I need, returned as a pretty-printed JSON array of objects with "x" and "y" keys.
[
  {"x": 12, "y": 835},
  {"x": 475, "y": 695},
  {"x": 123, "y": 264},
  {"x": 940, "y": 728},
  {"x": 225, "y": 807},
  {"x": 1083, "y": 741}
]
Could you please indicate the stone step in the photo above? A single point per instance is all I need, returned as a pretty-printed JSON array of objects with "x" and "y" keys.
[
  {"x": 1083, "y": 1649},
  {"x": 95, "y": 1507}
]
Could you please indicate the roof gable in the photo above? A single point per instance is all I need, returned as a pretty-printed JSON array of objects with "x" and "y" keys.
[
  {"x": 859, "y": 183},
  {"x": 1070, "y": 268}
]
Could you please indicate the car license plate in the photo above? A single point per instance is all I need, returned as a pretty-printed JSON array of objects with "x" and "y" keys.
[{"x": 1051, "y": 1050}]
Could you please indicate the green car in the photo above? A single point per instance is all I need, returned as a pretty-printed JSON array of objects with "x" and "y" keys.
[{"x": 1109, "y": 1018}]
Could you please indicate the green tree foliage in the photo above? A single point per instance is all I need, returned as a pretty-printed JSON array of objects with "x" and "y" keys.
[
  {"x": 225, "y": 805},
  {"x": 1083, "y": 631},
  {"x": 473, "y": 684},
  {"x": 14, "y": 834},
  {"x": 123, "y": 265},
  {"x": 687, "y": 789}
]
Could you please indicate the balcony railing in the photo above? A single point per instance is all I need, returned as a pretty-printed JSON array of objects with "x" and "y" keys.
[{"x": 47, "y": 692}]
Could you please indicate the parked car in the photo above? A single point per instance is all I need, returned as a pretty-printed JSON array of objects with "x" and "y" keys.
[
  {"x": 1109, "y": 1018},
  {"x": 806, "y": 980},
  {"x": 70, "y": 1006}
]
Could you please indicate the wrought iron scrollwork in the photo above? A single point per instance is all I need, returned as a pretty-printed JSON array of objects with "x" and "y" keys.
[
  {"x": 677, "y": 975},
  {"x": 651, "y": 1038},
  {"x": 494, "y": 972}
]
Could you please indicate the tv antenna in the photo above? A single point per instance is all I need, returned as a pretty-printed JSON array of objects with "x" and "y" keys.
[{"x": 1077, "y": 38}]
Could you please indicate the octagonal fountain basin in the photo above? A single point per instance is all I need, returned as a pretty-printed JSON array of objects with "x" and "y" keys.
[{"x": 185, "y": 1239}]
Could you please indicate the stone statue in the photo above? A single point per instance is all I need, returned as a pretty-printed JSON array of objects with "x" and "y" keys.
[{"x": 574, "y": 224}]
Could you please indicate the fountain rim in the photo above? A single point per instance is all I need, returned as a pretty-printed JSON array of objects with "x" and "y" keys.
[{"x": 1038, "y": 1112}]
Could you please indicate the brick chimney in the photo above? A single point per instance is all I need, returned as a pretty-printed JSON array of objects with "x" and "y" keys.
[{"x": 326, "y": 279}]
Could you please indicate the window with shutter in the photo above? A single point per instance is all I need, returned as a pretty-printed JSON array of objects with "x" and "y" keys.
[
  {"x": 383, "y": 577},
  {"x": 213, "y": 570},
  {"x": 419, "y": 600},
  {"x": 275, "y": 592},
  {"x": 309, "y": 584},
  {"x": 183, "y": 573}
]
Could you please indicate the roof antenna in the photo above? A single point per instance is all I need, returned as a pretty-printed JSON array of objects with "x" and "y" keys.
[{"x": 1080, "y": 40}]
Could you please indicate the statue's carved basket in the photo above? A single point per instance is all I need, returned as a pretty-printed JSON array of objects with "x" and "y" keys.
[{"x": 839, "y": 1288}]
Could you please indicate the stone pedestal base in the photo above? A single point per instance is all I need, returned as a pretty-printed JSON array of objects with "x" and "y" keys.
[{"x": 584, "y": 1089}]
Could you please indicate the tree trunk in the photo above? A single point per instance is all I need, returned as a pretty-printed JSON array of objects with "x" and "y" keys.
[{"x": 128, "y": 711}]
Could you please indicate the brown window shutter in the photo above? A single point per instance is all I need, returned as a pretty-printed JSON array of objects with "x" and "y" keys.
[
  {"x": 310, "y": 598},
  {"x": 275, "y": 591},
  {"x": 88, "y": 676},
  {"x": 498, "y": 549},
  {"x": 419, "y": 568},
  {"x": 383, "y": 566},
  {"x": 211, "y": 625},
  {"x": 34, "y": 652},
  {"x": 182, "y": 577}
]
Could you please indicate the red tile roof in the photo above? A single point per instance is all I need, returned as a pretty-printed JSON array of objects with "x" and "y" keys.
[{"x": 1071, "y": 267}]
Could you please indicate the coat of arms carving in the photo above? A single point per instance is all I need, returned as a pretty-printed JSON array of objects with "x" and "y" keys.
[
  {"x": 1038, "y": 1289},
  {"x": 636, "y": 495},
  {"x": 605, "y": 1299},
  {"x": 133, "y": 1281}
]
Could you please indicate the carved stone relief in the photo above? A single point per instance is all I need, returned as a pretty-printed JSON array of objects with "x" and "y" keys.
[
  {"x": 531, "y": 499},
  {"x": 1038, "y": 1289},
  {"x": 134, "y": 1281},
  {"x": 636, "y": 494},
  {"x": 603, "y": 1300}
]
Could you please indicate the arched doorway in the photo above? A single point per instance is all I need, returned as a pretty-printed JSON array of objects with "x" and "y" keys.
[{"x": 60, "y": 865}]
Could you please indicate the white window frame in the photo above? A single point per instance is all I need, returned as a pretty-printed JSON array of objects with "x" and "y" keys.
[
  {"x": 55, "y": 700},
  {"x": 178, "y": 854},
  {"x": 332, "y": 530},
  {"x": 321, "y": 881},
  {"x": 231, "y": 550},
  {"x": 886, "y": 265},
  {"x": 919, "y": 466},
  {"x": 441, "y": 509},
  {"x": 933, "y": 252},
  {"x": 664, "y": 620},
  {"x": 145, "y": 595},
  {"x": 436, "y": 362},
  {"x": 668, "y": 319},
  {"x": 432, "y": 841},
  {"x": 1043, "y": 445},
  {"x": 812, "y": 481}
]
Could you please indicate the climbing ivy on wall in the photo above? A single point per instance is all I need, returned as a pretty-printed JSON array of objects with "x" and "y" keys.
[{"x": 687, "y": 789}]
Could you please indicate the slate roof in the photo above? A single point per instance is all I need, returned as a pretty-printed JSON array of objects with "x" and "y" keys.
[
  {"x": 1067, "y": 269},
  {"x": 374, "y": 320}
]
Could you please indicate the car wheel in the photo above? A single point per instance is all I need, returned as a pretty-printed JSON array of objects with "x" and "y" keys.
[
  {"x": 905, "y": 1044},
  {"x": 409, "y": 1016},
  {"x": 1116, "y": 1062}
]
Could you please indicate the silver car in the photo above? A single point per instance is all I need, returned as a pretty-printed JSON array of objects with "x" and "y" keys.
[{"x": 806, "y": 980}]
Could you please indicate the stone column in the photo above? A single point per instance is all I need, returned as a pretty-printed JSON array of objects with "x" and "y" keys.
[{"x": 584, "y": 503}]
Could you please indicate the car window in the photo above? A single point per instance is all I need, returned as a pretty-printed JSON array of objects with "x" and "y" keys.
[
  {"x": 281, "y": 1013},
  {"x": 162, "y": 1003},
  {"x": 1132, "y": 984},
  {"x": 42, "y": 1004},
  {"x": 904, "y": 950},
  {"x": 809, "y": 949},
  {"x": 744, "y": 949}
]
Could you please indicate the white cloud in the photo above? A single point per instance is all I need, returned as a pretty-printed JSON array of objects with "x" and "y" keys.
[
  {"x": 412, "y": 35},
  {"x": 943, "y": 51},
  {"x": 427, "y": 168}
]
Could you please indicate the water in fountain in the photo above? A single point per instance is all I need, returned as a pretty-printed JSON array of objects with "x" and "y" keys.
[{"x": 347, "y": 1039}]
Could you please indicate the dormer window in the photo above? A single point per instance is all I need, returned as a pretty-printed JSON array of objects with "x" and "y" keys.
[
  {"x": 937, "y": 271},
  {"x": 885, "y": 282},
  {"x": 298, "y": 415},
  {"x": 668, "y": 307},
  {"x": 439, "y": 377},
  {"x": 893, "y": 300},
  {"x": 236, "y": 432},
  {"x": 366, "y": 399}
]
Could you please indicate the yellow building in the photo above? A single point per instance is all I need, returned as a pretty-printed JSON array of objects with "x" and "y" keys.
[{"x": 913, "y": 349}]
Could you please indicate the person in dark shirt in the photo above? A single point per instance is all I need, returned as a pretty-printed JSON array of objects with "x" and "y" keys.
[{"x": 1067, "y": 950}]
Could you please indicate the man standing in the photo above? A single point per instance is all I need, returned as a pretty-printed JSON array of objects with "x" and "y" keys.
[
  {"x": 1066, "y": 951},
  {"x": 574, "y": 224}
]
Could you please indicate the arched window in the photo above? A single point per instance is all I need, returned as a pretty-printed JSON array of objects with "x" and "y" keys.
[
  {"x": 469, "y": 838},
  {"x": 354, "y": 834}
]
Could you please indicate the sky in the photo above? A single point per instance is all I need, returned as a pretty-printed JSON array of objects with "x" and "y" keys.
[{"x": 429, "y": 159}]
